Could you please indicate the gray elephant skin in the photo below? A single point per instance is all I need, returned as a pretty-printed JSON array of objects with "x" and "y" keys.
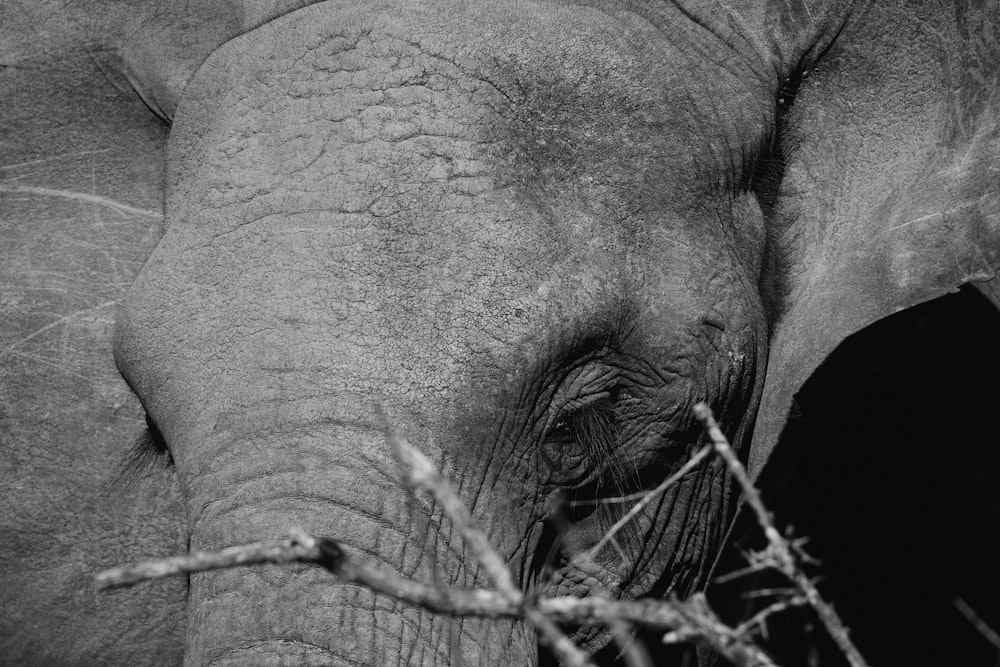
[{"x": 529, "y": 237}]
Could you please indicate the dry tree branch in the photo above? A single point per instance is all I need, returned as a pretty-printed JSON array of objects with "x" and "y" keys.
[
  {"x": 421, "y": 473},
  {"x": 286, "y": 551},
  {"x": 758, "y": 620},
  {"x": 984, "y": 629},
  {"x": 690, "y": 620},
  {"x": 780, "y": 549},
  {"x": 631, "y": 650},
  {"x": 647, "y": 498},
  {"x": 693, "y": 618},
  {"x": 304, "y": 548},
  {"x": 634, "y": 653}
]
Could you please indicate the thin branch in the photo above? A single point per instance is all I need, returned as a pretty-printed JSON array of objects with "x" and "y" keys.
[
  {"x": 647, "y": 498},
  {"x": 985, "y": 630},
  {"x": 700, "y": 622},
  {"x": 747, "y": 627},
  {"x": 286, "y": 551},
  {"x": 779, "y": 548},
  {"x": 752, "y": 568},
  {"x": 788, "y": 592},
  {"x": 632, "y": 651},
  {"x": 421, "y": 473},
  {"x": 688, "y": 620},
  {"x": 665, "y": 615},
  {"x": 303, "y": 548}
]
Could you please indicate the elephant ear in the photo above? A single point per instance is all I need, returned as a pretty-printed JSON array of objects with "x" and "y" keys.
[{"x": 890, "y": 194}]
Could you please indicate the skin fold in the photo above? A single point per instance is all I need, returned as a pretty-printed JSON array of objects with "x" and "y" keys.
[{"x": 526, "y": 236}]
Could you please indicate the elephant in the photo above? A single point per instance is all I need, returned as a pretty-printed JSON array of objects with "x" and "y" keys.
[{"x": 529, "y": 236}]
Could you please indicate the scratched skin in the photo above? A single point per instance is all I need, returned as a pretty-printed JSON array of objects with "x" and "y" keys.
[{"x": 80, "y": 209}]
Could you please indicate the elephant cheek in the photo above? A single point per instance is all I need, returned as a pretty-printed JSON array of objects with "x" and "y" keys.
[{"x": 304, "y": 615}]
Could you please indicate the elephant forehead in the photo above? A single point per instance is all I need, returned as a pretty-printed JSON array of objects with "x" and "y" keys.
[
  {"x": 400, "y": 110},
  {"x": 350, "y": 206}
]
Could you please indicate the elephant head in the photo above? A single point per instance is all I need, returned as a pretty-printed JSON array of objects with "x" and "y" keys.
[
  {"x": 529, "y": 238},
  {"x": 504, "y": 241}
]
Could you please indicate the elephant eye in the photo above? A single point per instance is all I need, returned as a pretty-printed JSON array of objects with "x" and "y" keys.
[{"x": 582, "y": 440}]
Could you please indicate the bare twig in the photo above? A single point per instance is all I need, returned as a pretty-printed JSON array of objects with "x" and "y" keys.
[
  {"x": 690, "y": 620},
  {"x": 303, "y": 548},
  {"x": 984, "y": 629},
  {"x": 421, "y": 473},
  {"x": 647, "y": 498},
  {"x": 663, "y": 615},
  {"x": 779, "y": 548},
  {"x": 693, "y": 619},
  {"x": 286, "y": 551},
  {"x": 752, "y": 568},
  {"x": 632, "y": 650},
  {"x": 747, "y": 627},
  {"x": 701, "y": 623},
  {"x": 786, "y": 591}
]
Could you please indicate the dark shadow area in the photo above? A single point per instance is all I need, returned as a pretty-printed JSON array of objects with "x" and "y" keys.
[{"x": 891, "y": 467}]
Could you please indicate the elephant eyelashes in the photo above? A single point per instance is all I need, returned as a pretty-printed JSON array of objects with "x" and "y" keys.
[
  {"x": 148, "y": 453},
  {"x": 582, "y": 441},
  {"x": 153, "y": 443}
]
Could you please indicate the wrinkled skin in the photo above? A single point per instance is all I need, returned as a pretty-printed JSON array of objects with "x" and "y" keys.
[{"x": 528, "y": 238}]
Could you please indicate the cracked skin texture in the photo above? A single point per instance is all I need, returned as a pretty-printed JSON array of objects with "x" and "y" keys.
[
  {"x": 496, "y": 228},
  {"x": 438, "y": 224}
]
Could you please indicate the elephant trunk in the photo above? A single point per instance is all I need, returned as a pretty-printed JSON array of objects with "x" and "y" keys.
[{"x": 304, "y": 615}]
